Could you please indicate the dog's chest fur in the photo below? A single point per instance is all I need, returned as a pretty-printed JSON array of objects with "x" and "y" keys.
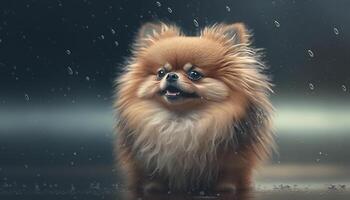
[{"x": 182, "y": 149}]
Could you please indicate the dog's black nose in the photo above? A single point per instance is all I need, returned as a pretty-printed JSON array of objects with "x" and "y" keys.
[{"x": 172, "y": 77}]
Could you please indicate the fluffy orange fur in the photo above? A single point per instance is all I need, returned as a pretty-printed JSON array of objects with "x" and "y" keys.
[{"x": 212, "y": 141}]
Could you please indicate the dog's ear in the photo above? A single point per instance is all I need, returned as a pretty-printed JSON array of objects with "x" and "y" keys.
[
  {"x": 151, "y": 32},
  {"x": 237, "y": 32}
]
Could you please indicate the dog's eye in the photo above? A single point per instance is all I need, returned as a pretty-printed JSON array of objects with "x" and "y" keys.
[
  {"x": 161, "y": 73},
  {"x": 194, "y": 75}
]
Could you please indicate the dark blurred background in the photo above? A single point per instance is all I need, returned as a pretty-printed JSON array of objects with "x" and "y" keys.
[{"x": 58, "y": 60}]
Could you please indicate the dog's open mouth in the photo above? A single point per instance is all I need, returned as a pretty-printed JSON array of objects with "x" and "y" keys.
[{"x": 173, "y": 93}]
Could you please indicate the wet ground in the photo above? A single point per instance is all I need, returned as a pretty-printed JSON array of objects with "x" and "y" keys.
[
  {"x": 62, "y": 169},
  {"x": 109, "y": 195}
]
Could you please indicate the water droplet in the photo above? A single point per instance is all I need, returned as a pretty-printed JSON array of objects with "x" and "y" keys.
[
  {"x": 228, "y": 9},
  {"x": 158, "y": 4},
  {"x": 95, "y": 186},
  {"x": 37, "y": 188},
  {"x": 26, "y": 97},
  {"x": 336, "y": 31},
  {"x": 277, "y": 24},
  {"x": 343, "y": 87},
  {"x": 311, "y": 86},
  {"x": 70, "y": 71},
  {"x": 87, "y": 78},
  {"x": 170, "y": 10},
  {"x": 75, "y": 153},
  {"x": 113, "y": 31},
  {"x": 311, "y": 53},
  {"x": 332, "y": 187},
  {"x": 68, "y": 52},
  {"x": 116, "y": 43},
  {"x": 195, "y": 22},
  {"x": 72, "y": 188}
]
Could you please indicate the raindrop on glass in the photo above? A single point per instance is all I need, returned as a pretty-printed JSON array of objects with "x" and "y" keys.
[
  {"x": 343, "y": 87},
  {"x": 336, "y": 31},
  {"x": 26, "y": 97},
  {"x": 70, "y": 71},
  {"x": 195, "y": 22},
  {"x": 311, "y": 53},
  {"x": 228, "y": 9},
  {"x": 170, "y": 10},
  {"x": 68, "y": 52},
  {"x": 116, "y": 43},
  {"x": 277, "y": 24},
  {"x": 311, "y": 86},
  {"x": 158, "y": 4},
  {"x": 113, "y": 31}
]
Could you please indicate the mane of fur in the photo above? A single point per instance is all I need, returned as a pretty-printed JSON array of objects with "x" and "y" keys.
[{"x": 184, "y": 147}]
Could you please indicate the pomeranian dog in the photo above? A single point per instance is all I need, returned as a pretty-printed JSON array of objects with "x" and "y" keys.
[{"x": 193, "y": 112}]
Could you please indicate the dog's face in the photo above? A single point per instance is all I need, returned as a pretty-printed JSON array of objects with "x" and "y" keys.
[{"x": 182, "y": 72}]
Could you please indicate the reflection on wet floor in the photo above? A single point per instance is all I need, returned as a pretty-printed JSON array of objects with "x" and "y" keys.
[
  {"x": 232, "y": 196},
  {"x": 275, "y": 182},
  {"x": 120, "y": 195},
  {"x": 257, "y": 196}
]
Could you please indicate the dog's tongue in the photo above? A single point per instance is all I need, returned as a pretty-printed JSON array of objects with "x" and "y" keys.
[{"x": 172, "y": 93}]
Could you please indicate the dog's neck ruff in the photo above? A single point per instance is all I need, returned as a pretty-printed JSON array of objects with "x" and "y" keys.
[{"x": 182, "y": 148}]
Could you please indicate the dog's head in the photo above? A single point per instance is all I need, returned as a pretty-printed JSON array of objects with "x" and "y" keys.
[{"x": 182, "y": 72}]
